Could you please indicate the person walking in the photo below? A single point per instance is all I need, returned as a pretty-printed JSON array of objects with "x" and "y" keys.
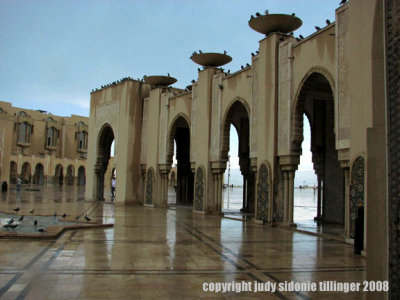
[
  {"x": 19, "y": 182},
  {"x": 113, "y": 183}
]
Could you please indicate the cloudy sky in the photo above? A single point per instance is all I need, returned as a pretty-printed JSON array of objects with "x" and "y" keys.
[{"x": 54, "y": 52}]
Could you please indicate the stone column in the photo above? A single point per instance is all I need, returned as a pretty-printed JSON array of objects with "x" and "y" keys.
[
  {"x": 289, "y": 165},
  {"x": 344, "y": 159},
  {"x": 164, "y": 171},
  {"x": 253, "y": 167},
  {"x": 319, "y": 167},
  {"x": 291, "y": 197},
  {"x": 285, "y": 196},
  {"x": 218, "y": 169}
]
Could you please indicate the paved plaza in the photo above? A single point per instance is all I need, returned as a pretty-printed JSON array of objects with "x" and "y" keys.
[{"x": 162, "y": 253}]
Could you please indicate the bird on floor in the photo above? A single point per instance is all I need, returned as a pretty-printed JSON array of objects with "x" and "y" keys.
[
  {"x": 87, "y": 218},
  {"x": 17, "y": 209},
  {"x": 32, "y": 211},
  {"x": 35, "y": 223},
  {"x": 21, "y": 218},
  {"x": 64, "y": 215}
]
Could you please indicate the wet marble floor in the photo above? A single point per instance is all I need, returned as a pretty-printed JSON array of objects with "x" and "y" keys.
[{"x": 163, "y": 253}]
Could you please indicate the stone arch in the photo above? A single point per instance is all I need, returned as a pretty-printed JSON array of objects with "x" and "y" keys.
[
  {"x": 70, "y": 175},
  {"x": 180, "y": 133},
  {"x": 105, "y": 139},
  {"x": 315, "y": 99},
  {"x": 81, "y": 176},
  {"x": 357, "y": 190},
  {"x": 236, "y": 105},
  {"x": 264, "y": 192},
  {"x": 13, "y": 172},
  {"x": 298, "y": 109},
  {"x": 58, "y": 174},
  {"x": 26, "y": 173},
  {"x": 199, "y": 189},
  {"x": 150, "y": 186},
  {"x": 238, "y": 114},
  {"x": 178, "y": 121},
  {"x": 38, "y": 177}
]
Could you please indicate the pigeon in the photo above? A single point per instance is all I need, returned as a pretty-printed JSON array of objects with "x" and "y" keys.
[
  {"x": 87, "y": 218},
  {"x": 258, "y": 14},
  {"x": 169, "y": 75},
  {"x": 241, "y": 67},
  {"x": 300, "y": 36},
  {"x": 10, "y": 226},
  {"x": 317, "y": 28},
  {"x": 343, "y": 2},
  {"x": 41, "y": 230},
  {"x": 55, "y": 214},
  {"x": 328, "y": 22},
  {"x": 11, "y": 221},
  {"x": 35, "y": 223},
  {"x": 200, "y": 52},
  {"x": 16, "y": 209},
  {"x": 252, "y": 54},
  {"x": 224, "y": 52},
  {"x": 64, "y": 215},
  {"x": 21, "y": 218},
  {"x": 251, "y": 17},
  {"x": 32, "y": 211},
  {"x": 293, "y": 14},
  {"x": 266, "y": 12},
  {"x": 247, "y": 65},
  {"x": 198, "y": 69}
]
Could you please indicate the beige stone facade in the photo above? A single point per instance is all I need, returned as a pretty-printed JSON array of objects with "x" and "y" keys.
[
  {"x": 334, "y": 77},
  {"x": 42, "y": 148}
]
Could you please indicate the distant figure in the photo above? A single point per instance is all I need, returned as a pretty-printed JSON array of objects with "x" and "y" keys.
[
  {"x": 19, "y": 182},
  {"x": 300, "y": 187},
  {"x": 113, "y": 182},
  {"x": 314, "y": 188},
  {"x": 4, "y": 186}
]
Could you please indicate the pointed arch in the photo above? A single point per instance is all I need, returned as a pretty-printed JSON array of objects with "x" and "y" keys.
[
  {"x": 316, "y": 76},
  {"x": 180, "y": 120}
]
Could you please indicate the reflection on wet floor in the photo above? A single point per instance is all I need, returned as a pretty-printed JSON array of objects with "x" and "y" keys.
[{"x": 162, "y": 253}]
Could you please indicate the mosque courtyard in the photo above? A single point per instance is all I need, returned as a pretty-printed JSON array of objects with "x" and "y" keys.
[{"x": 164, "y": 253}]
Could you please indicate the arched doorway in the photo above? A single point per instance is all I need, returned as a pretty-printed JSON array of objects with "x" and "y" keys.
[
  {"x": 58, "y": 175},
  {"x": 38, "y": 178},
  {"x": 26, "y": 173},
  {"x": 106, "y": 138},
  {"x": 237, "y": 117},
  {"x": 316, "y": 101},
  {"x": 81, "y": 176},
  {"x": 70, "y": 175},
  {"x": 180, "y": 136},
  {"x": 13, "y": 172}
]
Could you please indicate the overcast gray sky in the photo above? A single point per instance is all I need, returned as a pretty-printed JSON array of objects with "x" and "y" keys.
[{"x": 54, "y": 52}]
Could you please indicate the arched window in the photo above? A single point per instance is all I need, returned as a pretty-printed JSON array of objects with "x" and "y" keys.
[
  {"x": 24, "y": 132},
  {"x": 52, "y": 137},
  {"x": 82, "y": 140}
]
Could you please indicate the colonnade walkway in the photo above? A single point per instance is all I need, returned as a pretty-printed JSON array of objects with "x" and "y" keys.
[{"x": 163, "y": 253}]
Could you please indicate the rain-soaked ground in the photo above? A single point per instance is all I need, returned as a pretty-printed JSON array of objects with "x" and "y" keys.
[{"x": 163, "y": 253}]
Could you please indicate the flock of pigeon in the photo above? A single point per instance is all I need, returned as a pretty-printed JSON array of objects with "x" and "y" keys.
[
  {"x": 317, "y": 28},
  {"x": 12, "y": 223}
]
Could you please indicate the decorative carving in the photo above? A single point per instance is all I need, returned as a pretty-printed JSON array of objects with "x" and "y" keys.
[
  {"x": 263, "y": 193},
  {"x": 199, "y": 190},
  {"x": 356, "y": 191},
  {"x": 149, "y": 186},
  {"x": 343, "y": 106}
]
